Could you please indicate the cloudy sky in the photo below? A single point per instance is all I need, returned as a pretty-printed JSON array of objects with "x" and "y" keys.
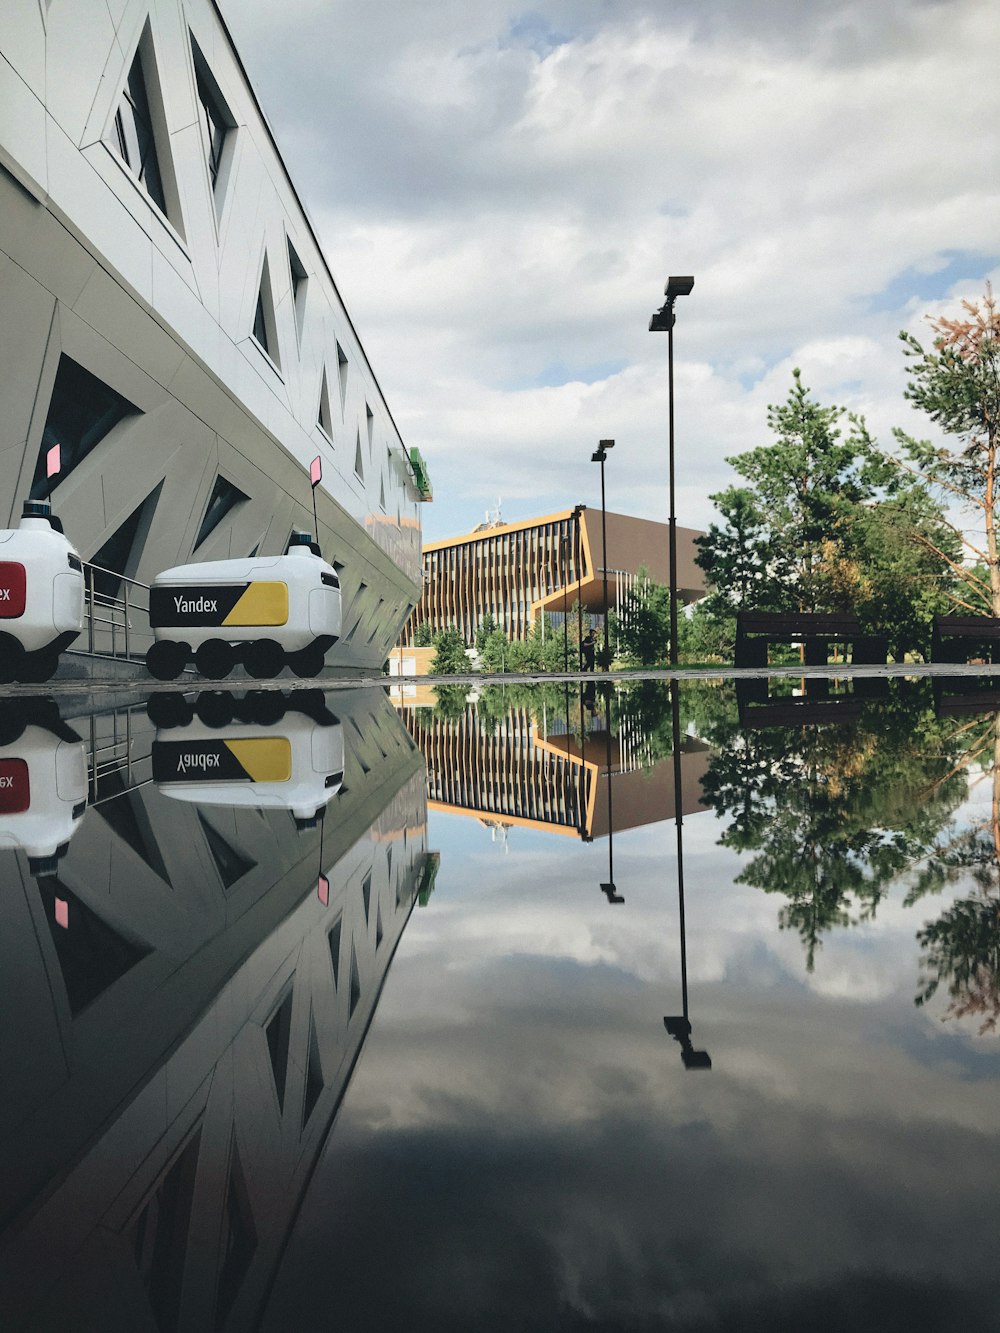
[{"x": 503, "y": 191}]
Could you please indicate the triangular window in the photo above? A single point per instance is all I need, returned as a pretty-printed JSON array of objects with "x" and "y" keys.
[
  {"x": 230, "y": 863},
  {"x": 265, "y": 330},
  {"x": 159, "y": 1235},
  {"x": 119, "y": 556},
  {"x": 124, "y": 812},
  {"x": 239, "y": 1238},
  {"x": 92, "y": 955},
  {"x": 314, "y": 1074},
  {"x": 355, "y": 983},
  {"x": 370, "y": 422},
  {"x": 323, "y": 419},
  {"x": 139, "y": 133},
  {"x": 333, "y": 939},
  {"x": 378, "y": 927},
  {"x": 359, "y": 467},
  {"x": 225, "y": 497},
  {"x": 82, "y": 410},
  {"x": 342, "y": 376},
  {"x": 300, "y": 282},
  {"x": 215, "y": 121},
  {"x": 381, "y": 494},
  {"x": 278, "y": 1030},
  {"x": 366, "y": 895}
]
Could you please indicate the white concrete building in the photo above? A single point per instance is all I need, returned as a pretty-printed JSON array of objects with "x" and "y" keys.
[{"x": 170, "y": 327}]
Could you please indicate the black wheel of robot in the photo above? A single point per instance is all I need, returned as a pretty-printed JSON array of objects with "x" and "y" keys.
[
  {"x": 12, "y": 725},
  {"x": 169, "y": 710},
  {"x": 263, "y": 659},
  {"x": 39, "y": 667},
  {"x": 265, "y": 707},
  {"x": 307, "y": 663},
  {"x": 11, "y": 658},
  {"x": 214, "y": 659},
  {"x": 215, "y": 708},
  {"x": 165, "y": 660}
]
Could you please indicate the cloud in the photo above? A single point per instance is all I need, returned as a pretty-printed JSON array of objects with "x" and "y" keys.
[{"x": 502, "y": 193}]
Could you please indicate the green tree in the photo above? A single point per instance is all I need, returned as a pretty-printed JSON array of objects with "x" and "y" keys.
[
  {"x": 423, "y": 636},
  {"x": 640, "y": 629},
  {"x": 957, "y": 384},
  {"x": 484, "y": 629},
  {"x": 449, "y": 653},
  {"x": 738, "y": 555}
]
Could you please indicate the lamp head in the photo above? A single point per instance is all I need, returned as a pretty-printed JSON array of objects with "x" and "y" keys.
[
  {"x": 678, "y": 287},
  {"x": 662, "y": 321}
]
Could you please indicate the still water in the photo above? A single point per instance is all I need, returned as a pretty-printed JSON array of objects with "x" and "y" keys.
[{"x": 551, "y": 1009}]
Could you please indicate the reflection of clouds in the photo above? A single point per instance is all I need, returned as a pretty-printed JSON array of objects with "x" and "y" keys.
[{"x": 548, "y": 1147}]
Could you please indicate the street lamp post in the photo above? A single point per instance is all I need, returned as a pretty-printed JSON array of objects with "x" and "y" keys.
[
  {"x": 679, "y": 1025},
  {"x": 662, "y": 321},
  {"x": 598, "y": 456},
  {"x": 577, "y": 558},
  {"x": 609, "y": 889}
]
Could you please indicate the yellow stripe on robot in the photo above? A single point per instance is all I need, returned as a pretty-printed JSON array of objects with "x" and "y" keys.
[
  {"x": 265, "y": 758},
  {"x": 263, "y": 603}
]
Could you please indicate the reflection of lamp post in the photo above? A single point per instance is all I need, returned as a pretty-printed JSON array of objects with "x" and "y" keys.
[
  {"x": 598, "y": 456},
  {"x": 609, "y": 890},
  {"x": 663, "y": 321},
  {"x": 679, "y": 1026}
]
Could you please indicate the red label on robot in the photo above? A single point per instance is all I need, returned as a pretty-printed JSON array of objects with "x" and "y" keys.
[
  {"x": 15, "y": 789},
  {"x": 12, "y": 589}
]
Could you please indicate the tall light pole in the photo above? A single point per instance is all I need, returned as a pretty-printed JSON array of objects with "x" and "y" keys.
[
  {"x": 598, "y": 456},
  {"x": 577, "y": 559},
  {"x": 662, "y": 321}
]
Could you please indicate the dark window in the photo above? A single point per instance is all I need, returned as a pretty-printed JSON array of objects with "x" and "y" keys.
[
  {"x": 359, "y": 467},
  {"x": 92, "y": 955},
  {"x": 333, "y": 940},
  {"x": 120, "y": 553},
  {"x": 314, "y": 1074},
  {"x": 159, "y": 1236},
  {"x": 82, "y": 411},
  {"x": 231, "y": 864},
  {"x": 264, "y": 328},
  {"x": 366, "y": 895},
  {"x": 239, "y": 1239},
  {"x": 299, "y": 284},
  {"x": 355, "y": 983},
  {"x": 324, "y": 419},
  {"x": 278, "y": 1030},
  {"x": 225, "y": 496},
  {"x": 215, "y": 119},
  {"x": 134, "y": 134},
  {"x": 342, "y": 373}
]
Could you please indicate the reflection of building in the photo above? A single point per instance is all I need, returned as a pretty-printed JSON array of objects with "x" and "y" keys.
[
  {"x": 191, "y": 1005},
  {"x": 176, "y": 346},
  {"x": 537, "y": 773},
  {"x": 517, "y": 571}
]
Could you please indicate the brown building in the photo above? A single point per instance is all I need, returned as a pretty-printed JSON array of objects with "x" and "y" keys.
[
  {"x": 550, "y": 773},
  {"x": 517, "y": 571}
]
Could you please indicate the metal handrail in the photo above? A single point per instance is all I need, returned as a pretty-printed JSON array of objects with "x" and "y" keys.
[{"x": 115, "y": 614}]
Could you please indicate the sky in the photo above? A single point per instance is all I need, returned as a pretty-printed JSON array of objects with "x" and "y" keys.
[{"x": 503, "y": 191}]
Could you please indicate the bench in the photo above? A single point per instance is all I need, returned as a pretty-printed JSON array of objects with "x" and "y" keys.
[
  {"x": 815, "y": 631},
  {"x": 977, "y": 631}
]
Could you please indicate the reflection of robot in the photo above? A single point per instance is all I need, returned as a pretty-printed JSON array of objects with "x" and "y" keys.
[
  {"x": 264, "y": 611},
  {"x": 41, "y": 595},
  {"x": 43, "y": 783},
  {"x": 262, "y": 750}
]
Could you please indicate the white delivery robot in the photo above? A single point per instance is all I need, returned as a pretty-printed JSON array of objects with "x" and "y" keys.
[
  {"x": 41, "y": 595},
  {"x": 43, "y": 784},
  {"x": 247, "y": 752},
  {"x": 264, "y": 611}
]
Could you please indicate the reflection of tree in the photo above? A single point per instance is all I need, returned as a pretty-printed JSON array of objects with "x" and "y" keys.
[
  {"x": 831, "y": 815},
  {"x": 962, "y": 948}
]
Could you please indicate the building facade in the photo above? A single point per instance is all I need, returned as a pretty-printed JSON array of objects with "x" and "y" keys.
[
  {"x": 174, "y": 350},
  {"x": 517, "y": 572}
]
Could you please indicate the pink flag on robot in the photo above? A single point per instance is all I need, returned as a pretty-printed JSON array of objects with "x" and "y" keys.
[
  {"x": 53, "y": 460},
  {"x": 316, "y": 471}
]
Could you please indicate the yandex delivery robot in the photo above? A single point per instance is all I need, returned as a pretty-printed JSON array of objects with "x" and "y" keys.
[
  {"x": 41, "y": 595},
  {"x": 43, "y": 785},
  {"x": 263, "y": 611}
]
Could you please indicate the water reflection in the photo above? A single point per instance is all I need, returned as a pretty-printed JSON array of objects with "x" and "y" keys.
[{"x": 193, "y": 961}]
